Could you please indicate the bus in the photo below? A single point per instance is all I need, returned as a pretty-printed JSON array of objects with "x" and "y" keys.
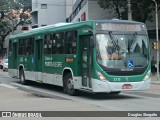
[{"x": 96, "y": 56}]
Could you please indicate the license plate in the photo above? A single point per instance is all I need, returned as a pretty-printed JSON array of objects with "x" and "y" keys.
[{"x": 127, "y": 86}]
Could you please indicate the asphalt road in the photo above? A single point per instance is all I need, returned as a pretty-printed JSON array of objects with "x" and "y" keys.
[{"x": 41, "y": 97}]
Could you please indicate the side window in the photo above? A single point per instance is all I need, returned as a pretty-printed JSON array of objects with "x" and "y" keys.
[
  {"x": 30, "y": 46},
  {"x": 48, "y": 44},
  {"x": 70, "y": 42},
  {"x": 22, "y": 46},
  {"x": 58, "y": 43}
]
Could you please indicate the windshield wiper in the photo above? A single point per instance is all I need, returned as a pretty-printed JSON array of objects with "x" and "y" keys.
[
  {"x": 117, "y": 47},
  {"x": 132, "y": 41}
]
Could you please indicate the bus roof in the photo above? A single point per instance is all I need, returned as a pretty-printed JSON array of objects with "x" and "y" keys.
[
  {"x": 58, "y": 26},
  {"x": 119, "y": 21},
  {"x": 50, "y": 28}
]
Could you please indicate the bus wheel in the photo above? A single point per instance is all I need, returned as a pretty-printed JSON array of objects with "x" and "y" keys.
[
  {"x": 69, "y": 85},
  {"x": 22, "y": 77}
]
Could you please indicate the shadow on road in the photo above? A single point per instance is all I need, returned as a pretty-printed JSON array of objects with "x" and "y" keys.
[
  {"x": 98, "y": 96},
  {"x": 107, "y": 96}
]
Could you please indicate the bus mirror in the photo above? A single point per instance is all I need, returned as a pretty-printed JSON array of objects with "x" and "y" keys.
[
  {"x": 92, "y": 41},
  {"x": 90, "y": 31}
]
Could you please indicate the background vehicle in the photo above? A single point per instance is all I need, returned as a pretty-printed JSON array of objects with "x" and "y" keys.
[
  {"x": 5, "y": 64},
  {"x": 92, "y": 56},
  {"x": 1, "y": 61}
]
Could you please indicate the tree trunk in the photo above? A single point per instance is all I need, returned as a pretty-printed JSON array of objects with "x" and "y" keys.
[
  {"x": 117, "y": 8},
  {"x": 1, "y": 44}
]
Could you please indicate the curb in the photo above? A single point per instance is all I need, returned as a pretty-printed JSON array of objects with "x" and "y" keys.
[{"x": 155, "y": 82}]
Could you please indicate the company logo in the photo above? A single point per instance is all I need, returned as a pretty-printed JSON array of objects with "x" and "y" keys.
[
  {"x": 6, "y": 114},
  {"x": 21, "y": 114}
]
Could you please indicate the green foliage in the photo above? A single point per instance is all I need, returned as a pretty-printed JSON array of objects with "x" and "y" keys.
[
  {"x": 12, "y": 16},
  {"x": 8, "y": 4},
  {"x": 141, "y": 9},
  {"x": 112, "y": 4}
]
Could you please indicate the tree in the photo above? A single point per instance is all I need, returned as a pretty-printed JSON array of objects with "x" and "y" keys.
[
  {"x": 141, "y": 9},
  {"x": 112, "y": 4},
  {"x": 11, "y": 16}
]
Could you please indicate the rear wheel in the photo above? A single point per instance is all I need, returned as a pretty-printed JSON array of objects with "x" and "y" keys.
[
  {"x": 22, "y": 77},
  {"x": 69, "y": 85}
]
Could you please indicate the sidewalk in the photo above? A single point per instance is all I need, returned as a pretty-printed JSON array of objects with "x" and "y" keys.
[{"x": 154, "y": 80}]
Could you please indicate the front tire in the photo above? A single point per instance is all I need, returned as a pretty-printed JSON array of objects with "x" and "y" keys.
[
  {"x": 22, "y": 78},
  {"x": 69, "y": 85}
]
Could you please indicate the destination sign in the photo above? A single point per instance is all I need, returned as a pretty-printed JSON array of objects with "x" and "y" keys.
[{"x": 118, "y": 27}]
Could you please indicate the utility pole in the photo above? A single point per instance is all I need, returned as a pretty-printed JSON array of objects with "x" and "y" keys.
[
  {"x": 157, "y": 39},
  {"x": 129, "y": 10}
]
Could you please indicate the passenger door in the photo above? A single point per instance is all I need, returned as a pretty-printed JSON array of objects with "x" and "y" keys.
[
  {"x": 38, "y": 58},
  {"x": 86, "y": 58}
]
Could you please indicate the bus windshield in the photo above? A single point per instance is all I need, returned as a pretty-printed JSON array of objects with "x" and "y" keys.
[{"x": 122, "y": 50}]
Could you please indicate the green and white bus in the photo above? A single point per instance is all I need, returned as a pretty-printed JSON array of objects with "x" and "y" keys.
[{"x": 94, "y": 56}]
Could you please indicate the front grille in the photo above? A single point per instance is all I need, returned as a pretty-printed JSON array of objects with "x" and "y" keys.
[
  {"x": 125, "y": 73},
  {"x": 119, "y": 72}
]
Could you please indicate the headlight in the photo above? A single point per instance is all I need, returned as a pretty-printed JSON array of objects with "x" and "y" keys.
[
  {"x": 101, "y": 77},
  {"x": 147, "y": 75}
]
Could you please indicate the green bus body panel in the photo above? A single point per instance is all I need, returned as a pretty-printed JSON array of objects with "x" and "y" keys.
[
  {"x": 29, "y": 61},
  {"x": 55, "y": 64},
  {"x": 10, "y": 62},
  {"x": 26, "y": 61}
]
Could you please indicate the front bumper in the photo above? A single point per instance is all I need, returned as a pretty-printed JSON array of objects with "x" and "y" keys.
[{"x": 106, "y": 86}]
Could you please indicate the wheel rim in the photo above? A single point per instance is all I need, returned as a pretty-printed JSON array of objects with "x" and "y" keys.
[{"x": 70, "y": 83}]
